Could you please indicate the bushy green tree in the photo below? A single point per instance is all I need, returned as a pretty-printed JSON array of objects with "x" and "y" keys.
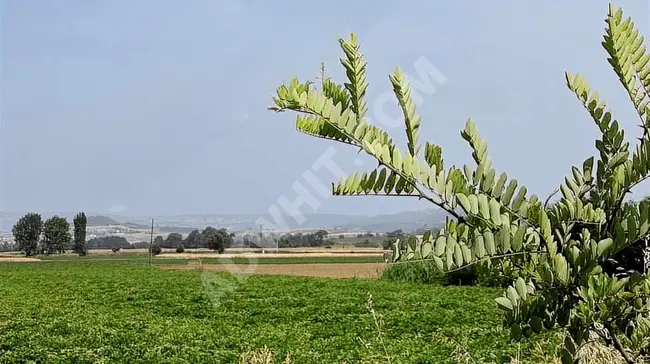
[
  {"x": 159, "y": 241},
  {"x": 216, "y": 239},
  {"x": 172, "y": 240},
  {"x": 56, "y": 235},
  {"x": 80, "y": 221},
  {"x": 27, "y": 232},
  {"x": 193, "y": 240},
  {"x": 557, "y": 255}
]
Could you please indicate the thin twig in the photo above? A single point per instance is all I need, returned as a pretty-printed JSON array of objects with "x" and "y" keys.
[
  {"x": 619, "y": 203},
  {"x": 618, "y": 345},
  {"x": 548, "y": 199},
  {"x": 377, "y": 321}
]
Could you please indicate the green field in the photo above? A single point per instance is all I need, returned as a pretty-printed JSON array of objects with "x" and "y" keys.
[
  {"x": 87, "y": 312},
  {"x": 128, "y": 256},
  {"x": 358, "y": 241},
  {"x": 296, "y": 260},
  {"x": 133, "y": 258}
]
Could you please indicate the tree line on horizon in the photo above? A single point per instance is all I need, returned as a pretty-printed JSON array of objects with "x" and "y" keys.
[{"x": 34, "y": 236}]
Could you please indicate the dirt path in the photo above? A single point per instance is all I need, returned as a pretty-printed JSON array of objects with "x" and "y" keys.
[
  {"x": 330, "y": 270},
  {"x": 18, "y": 259}
]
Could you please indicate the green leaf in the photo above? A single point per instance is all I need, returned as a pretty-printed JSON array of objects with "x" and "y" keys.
[
  {"x": 439, "y": 263},
  {"x": 495, "y": 212},
  {"x": 381, "y": 181},
  {"x": 440, "y": 245},
  {"x": 504, "y": 237},
  {"x": 489, "y": 243},
  {"x": 522, "y": 290},
  {"x": 536, "y": 324},
  {"x": 604, "y": 245},
  {"x": 510, "y": 191},
  {"x": 483, "y": 206},
  {"x": 473, "y": 200},
  {"x": 464, "y": 203},
  {"x": 561, "y": 269},
  {"x": 511, "y": 294},
  {"x": 617, "y": 159},
  {"x": 498, "y": 187},
  {"x": 518, "y": 240},
  {"x": 458, "y": 255},
  {"x": 545, "y": 225},
  {"x": 390, "y": 183},
  {"x": 427, "y": 249},
  {"x": 516, "y": 203},
  {"x": 504, "y": 303}
]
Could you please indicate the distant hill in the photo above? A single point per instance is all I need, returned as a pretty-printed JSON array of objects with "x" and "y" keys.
[
  {"x": 406, "y": 221},
  {"x": 133, "y": 225},
  {"x": 101, "y": 221}
]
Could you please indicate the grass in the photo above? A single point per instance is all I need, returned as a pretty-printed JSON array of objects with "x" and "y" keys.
[
  {"x": 99, "y": 258},
  {"x": 115, "y": 256},
  {"x": 356, "y": 241},
  {"x": 86, "y": 311},
  {"x": 296, "y": 260}
]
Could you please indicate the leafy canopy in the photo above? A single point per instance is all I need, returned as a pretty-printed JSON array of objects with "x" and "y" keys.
[
  {"x": 56, "y": 234},
  {"x": 560, "y": 250},
  {"x": 80, "y": 223},
  {"x": 27, "y": 232}
]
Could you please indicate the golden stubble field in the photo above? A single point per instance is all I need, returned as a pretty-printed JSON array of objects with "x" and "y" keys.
[
  {"x": 323, "y": 270},
  {"x": 194, "y": 257}
]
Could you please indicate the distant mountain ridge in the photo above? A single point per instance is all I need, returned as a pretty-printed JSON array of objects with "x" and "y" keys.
[
  {"x": 406, "y": 220},
  {"x": 99, "y": 220}
]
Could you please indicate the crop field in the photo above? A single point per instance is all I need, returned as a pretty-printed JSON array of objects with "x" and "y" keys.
[{"x": 120, "y": 311}]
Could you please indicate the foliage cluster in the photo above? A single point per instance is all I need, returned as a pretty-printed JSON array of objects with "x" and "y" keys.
[
  {"x": 211, "y": 238},
  {"x": 573, "y": 265}
]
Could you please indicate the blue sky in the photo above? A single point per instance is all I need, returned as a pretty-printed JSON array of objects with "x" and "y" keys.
[{"x": 156, "y": 107}]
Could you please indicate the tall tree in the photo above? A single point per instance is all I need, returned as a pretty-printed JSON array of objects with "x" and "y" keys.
[
  {"x": 80, "y": 221},
  {"x": 27, "y": 232},
  {"x": 56, "y": 235}
]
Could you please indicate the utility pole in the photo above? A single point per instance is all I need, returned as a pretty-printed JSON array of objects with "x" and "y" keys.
[
  {"x": 151, "y": 243},
  {"x": 261, "y": 226}
]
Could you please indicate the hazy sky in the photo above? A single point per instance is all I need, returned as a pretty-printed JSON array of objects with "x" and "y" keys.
[{"x": 159, "y": 106}]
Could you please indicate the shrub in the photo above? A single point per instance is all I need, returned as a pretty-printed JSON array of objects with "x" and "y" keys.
[
  {"x": 426, "y": 272},
  {"x": 180, "y": 249},
  {"x": 573, "y": 263},
  {"x": 156, "y": 250},
  {"x": 418, "y": 272}
]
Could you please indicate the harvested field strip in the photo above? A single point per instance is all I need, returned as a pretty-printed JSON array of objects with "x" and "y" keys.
[
  {"x": 376, "y": 255},
  {"x": 327, "y": 270},
  {"x": 295, "y": 260}
]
